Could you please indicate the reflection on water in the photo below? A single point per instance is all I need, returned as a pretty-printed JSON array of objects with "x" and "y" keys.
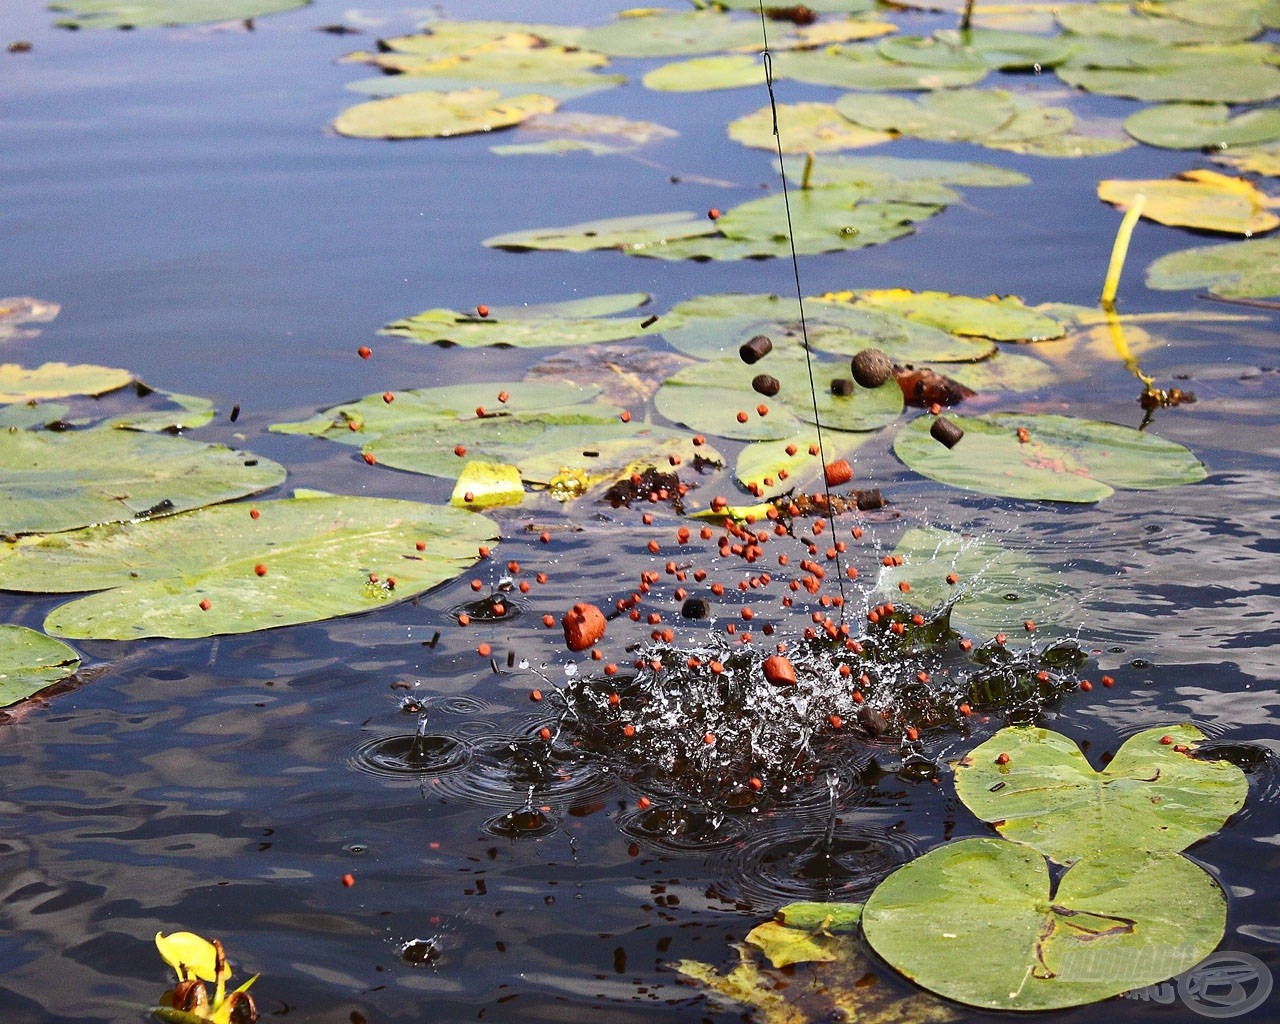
[{"x": 500, "y": 874}]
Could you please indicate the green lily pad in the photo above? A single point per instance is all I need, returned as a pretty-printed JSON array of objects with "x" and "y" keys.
[
  {"x": 1239, "y": 73},
  {"x": 148, "y": 13},
  {"x": 1252, "y": 159},
  {"x": 998, "y": 317},
  {"x": 1063, "y": 459},
  {"x": 841, "y": 170},
  {"x": 709, "y": 397},
  {"x": 986, "y": 574},
  {"x": 644, "y": 231},
  {"x": 771, "y": 468},
  {"x": 981, "y": 922},
  {"x": 862, "y": 67},
  {"x": 1244, "y": 270},
  {"x": 58, "y": 380},
  {"x": 541, "y": 325},
  {"x": 191, "y": 411},
  {"x": 19, "y": 310},
  {"x": 704, "y": 74},
  {"x": 557, "y": 65},
  {"x": 422, "y": 115},
  {"x": 658, "y": 33},
  {"x": 1008, "y": 50},
  {"x": 321, "y": 557},
  {"x": 30, "y": 661},
  {"x": 1161, "y": 22},
  {"x": 54, "y": 481},
  {"x": 1009, "y": 371},
  {"x": 785, "y": 946},
  {"x": 1201, "y": 199},
  {"x": 1149, "y": 798},
  {"x": 817, "y": 6},
  {"x": 444, "y": 38},
  {"x": 1202, "y": 126},
  {"x": 810, "y": 128},
  {"x": 951, "y": 116},
  {"x": 827, "y": 917}
]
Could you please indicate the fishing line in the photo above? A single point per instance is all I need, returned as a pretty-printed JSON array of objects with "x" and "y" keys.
[{"x": 804, "y": 330}]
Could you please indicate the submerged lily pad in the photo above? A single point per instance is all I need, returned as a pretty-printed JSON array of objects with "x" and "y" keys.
[
  {"x": 430, "y": 114},
  {"x": 810, "y": 128},
  {"x": 981, "y": 922},
  {"x": 1150, "y": 797},
  {"x": 1063, "y": 458},
  {"x": 1202, "y": 126},
  {"x": 600, "y": 134},
  {"x": 18, "y": 310},
  {"x": 55, "y": 481},
  {"x": 539, "y": 325},
  {"x": 1201, "y": 199},
  {"x": 147, "y": 13},
  {"x": 198, "y": 574},
  {"x": 1237, "y": 270},
  {"x": 30, "y": 661}
]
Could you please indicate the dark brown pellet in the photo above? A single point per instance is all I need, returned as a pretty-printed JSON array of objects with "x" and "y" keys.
[
  {"x": 755, "y": 349},
  {"x": 842, "y": 386},
  {"x": 695, "y": 608},
  {"x": 945, "y": 432},
  {"x": 766, "y": 385}
]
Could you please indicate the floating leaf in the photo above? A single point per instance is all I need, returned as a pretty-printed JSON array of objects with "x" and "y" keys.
[
  {"x": 487, "y": 485},
  {"x": 148, "y": 13},
  {"x": 59, "y": 481},
  {"x": 192, "y": 411},
  {"x": 30, "y": 661},
  {"x": 810, "y": 128},
  {"x": 1063, "y": 458},
  {"x": 645, "y": 231},
  {"x": 826, "y": 917},
  {"x": 1008, "y": 50},
  {"x": 196, "y": 574},
  {"x": 600, "y": 134},
  {"x": 709, "y": 397},
  {"x": 841, "y": 170},
  {"x": 421, "y": 115},
  {"x": 703, "y": 74},
  {"x": 999, "y": 317},
  {"x": 541, "y": 325},
  {"x": 1202, "y": 126},
  {"x": 21, "y": 309},
  {"x": 1252, "y": 159},
  {"x": 624, "y": 374},
  {"x": 1238, "y": 270},
  {"x": 1009, "y": 371},
  {"x": 1150, "y": 797},
  {"x": 531, "y": 67},
  {"x": 1161, "y": 22},
  {"x": 959, "y": 115},
  {"x": 981, "y": 922},
  {"x": 1201, "y": 199},
  {"x": 1238, "y": 73},
  {"x": 771, "y": 468},
  {"x": 189, "y": 955},
  {"x": 657, "y": 33},
  {"x": 995, "y": 585},
  {"x": 785, "y": 946},
  {"x": 58, "y": 380},
  {"x": 862, "y": 67}
]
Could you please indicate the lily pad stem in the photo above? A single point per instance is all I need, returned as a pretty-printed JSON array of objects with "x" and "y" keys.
[{"x": 1120, "y": 250}]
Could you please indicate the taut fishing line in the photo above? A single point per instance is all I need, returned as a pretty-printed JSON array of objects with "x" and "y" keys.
[{"x": 804, "y": 330}]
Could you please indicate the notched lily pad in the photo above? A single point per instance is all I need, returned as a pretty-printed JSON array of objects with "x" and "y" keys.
[
  {"x": 1061, "y": 459},
  {"x": 30, "y": 661},
  {"x": 219, "y": 570},
  {"x": 430, "y": 114},
  {"x": 1153, "y": 796}
]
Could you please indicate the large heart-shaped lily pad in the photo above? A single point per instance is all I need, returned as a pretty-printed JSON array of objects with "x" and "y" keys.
[
  {"x": 430, "y": 114},
  {"x": 30, "y": 661},
  {"x": 1152, "y": 796},
  {"x": 54, "y": 481},
  {"x": 1062, "y": 459},
  {"x": 223, "y": 570},
  {"x": 1249, "y": 269},
  {"x": 980, "y": 922}
]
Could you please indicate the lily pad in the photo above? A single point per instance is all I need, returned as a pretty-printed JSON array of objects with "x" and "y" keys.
[
  {"x": 810, "y": 128},
  {"x": 1151, "y": 797},
  {"x": 987, "y": 574},
  {"x": 659, "y": 33},
  {"x": 863, "y": 67},
  {"x": 600, "y": 134},
  {"x": 54, "y": 481},
  {"x": 958, "y": 115},
  {"x": 1202, "y": 126},
  {"x": 981, "y": 922},
  {"x": 839, "y": 170},
  {"x": 197, "y": 574},
  {"x": 785, "y": 946},
  {"x": 1252, "y": 159},
  {"x": 772, "y": 468},
  {"x": 487, "y": 485},
  {"x": 549, "y": 65},
  {"x": 30, "y": 661},
  {"x": 1063, "y": 458},
  {"x": 1008, "y": 50},
  {"x": 148, "y": 13},
  {"x": 422, "y": 115},
  {"x": 540, "y": 325},
  {"x": 1239, "y": 73},
  {"x": 1237, "y": 270},
  {"x": 58, "y": 380},
  {"x": 648, "y": 231},
  {"x": 998, "y": 317},
  {"x": 1201, "y": 199},
  {"x": 18, "y": 310},
  {"x": 710, "y": 396},
  {"x": 704, "y": 74},
  {"x": 1161, "y": 22}
]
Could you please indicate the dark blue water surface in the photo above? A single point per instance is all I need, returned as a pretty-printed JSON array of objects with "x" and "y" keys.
[{"x": 177, "y": 191}]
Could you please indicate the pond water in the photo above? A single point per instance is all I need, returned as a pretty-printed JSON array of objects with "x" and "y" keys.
[{"x": 177, "y": 192}]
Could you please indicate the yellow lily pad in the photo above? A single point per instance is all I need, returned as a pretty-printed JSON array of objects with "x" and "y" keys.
[
  {"x": 424, "y": 115},
  {"x": 1201, "y": 199}
]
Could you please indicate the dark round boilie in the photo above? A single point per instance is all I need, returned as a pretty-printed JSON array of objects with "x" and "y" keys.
[{"x": 871, "y": 368}]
